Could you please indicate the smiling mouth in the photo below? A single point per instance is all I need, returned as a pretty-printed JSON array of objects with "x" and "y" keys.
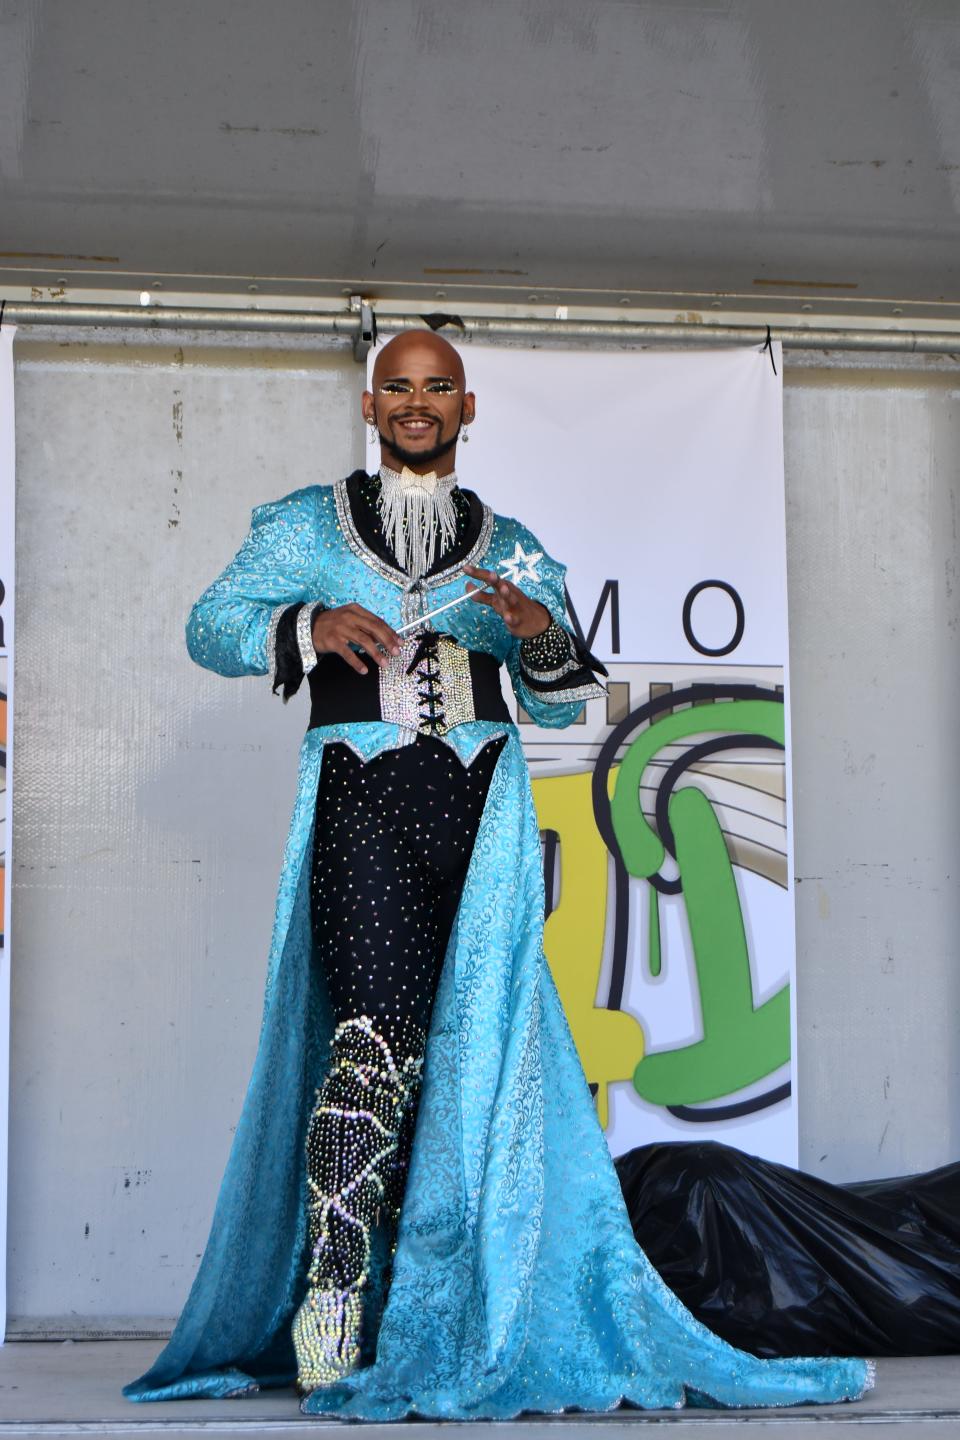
[{"x": 415, "y": 425}]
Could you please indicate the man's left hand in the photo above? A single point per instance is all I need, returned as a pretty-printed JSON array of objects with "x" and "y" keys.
[{"x": 522, "y": 616}]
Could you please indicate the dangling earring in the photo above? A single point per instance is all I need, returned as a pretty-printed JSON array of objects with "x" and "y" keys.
[
  {"x": 463, "y": 433},
  {"x": 372, "y": 429}
]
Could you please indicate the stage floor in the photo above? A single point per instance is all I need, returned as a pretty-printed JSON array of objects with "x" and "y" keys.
[{"x": 54, "y": 1388}]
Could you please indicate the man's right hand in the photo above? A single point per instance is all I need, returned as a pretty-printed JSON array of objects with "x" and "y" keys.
[{"x": 334, "y": 631}]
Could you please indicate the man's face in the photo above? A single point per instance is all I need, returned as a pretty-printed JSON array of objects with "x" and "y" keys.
[{"x": 418, "y": 399}]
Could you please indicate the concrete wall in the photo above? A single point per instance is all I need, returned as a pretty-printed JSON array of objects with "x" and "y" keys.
[
  {"x": 152, "y": 798},
  {"x": 873, "y": 470}
]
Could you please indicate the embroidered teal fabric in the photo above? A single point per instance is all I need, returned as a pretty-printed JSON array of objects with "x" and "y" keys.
[{"x": 517, "y": 1284}]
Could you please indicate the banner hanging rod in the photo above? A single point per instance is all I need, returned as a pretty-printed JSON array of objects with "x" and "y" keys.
[{"x": 351, "y": 327}]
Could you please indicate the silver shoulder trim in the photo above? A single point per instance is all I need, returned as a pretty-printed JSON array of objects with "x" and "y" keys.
[{"x": 354, "y": 540}]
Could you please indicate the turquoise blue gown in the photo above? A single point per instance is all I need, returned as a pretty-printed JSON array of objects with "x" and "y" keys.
[{"x": 517, "y": 1284}]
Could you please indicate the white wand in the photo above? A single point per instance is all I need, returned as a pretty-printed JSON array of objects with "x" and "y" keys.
[
  {"x": 520, "y": 566},
  {"x": 457, "y": 600}
]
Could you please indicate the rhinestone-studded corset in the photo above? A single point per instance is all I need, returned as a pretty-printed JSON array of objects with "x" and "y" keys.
[
  {"x": 425, "y": 668},
  {"x": 433, "y": 685}
]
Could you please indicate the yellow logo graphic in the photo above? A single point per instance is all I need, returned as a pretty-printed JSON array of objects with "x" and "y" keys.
[{"x": 609, "y": 1042}]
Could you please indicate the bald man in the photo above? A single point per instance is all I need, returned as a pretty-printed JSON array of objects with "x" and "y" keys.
[
  {"x": 394, "y": 838},
  {"x": 409, "y": 733}
]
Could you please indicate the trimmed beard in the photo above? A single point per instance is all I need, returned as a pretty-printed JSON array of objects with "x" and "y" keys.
[
  {"x": 417, "y": 457},
  {"x": 420, "y": 457}
]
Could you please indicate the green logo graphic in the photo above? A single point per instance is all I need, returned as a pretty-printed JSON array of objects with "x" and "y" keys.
[{"x": 742, "y": 1042}]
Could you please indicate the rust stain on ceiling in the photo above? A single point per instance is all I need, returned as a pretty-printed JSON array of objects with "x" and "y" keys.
[
  {"x": 49, "y": 255},
  {"x": 467, "y": 270},
  {"x": 813, "y": 284},
  {"x": 297, "y": 132}
]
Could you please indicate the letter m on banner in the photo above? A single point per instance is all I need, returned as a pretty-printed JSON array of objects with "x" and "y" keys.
[{"x": 609, "y": 595}]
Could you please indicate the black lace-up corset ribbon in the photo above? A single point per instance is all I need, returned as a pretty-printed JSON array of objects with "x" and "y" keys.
[{"x": 433, "y": 685}]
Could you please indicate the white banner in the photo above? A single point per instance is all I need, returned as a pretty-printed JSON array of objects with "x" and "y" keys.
[
  {"x": 657, "y": 477},
  {"x": 6, "y": 767}
]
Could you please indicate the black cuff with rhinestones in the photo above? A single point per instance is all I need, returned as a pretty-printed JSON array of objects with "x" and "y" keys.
[
  {"x": 288, "y": 663},
  {"x": 548, "y": 650},
  {"x": 557, "y": 667}
]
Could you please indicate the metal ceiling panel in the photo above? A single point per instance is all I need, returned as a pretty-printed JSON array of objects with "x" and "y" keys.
[{"x": 739, "y": 146}]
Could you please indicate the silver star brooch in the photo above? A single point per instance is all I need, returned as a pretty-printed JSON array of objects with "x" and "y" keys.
[{"x": 522, "y": 566}]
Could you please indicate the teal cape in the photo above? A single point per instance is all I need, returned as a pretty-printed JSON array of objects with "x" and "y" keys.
[{"x": 517, "y": 1284}]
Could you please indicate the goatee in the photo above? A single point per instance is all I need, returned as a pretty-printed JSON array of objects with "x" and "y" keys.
[{"x": 416, "y": 457}]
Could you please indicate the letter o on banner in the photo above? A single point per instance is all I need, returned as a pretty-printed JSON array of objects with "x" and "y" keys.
[{"x": 688, "y": 617}]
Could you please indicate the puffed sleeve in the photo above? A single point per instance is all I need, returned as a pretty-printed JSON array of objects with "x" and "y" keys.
[
  {"x": 232, "y": 628},
  {"x": 553, "y": 675}
]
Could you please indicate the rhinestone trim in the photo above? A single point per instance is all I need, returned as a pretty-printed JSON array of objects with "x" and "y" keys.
[
  {"x": 385, "y": 470},
  {"x": 544, "y": 675},
  {"x": 305, "y": 639},
  {"x": 467, "y": 759},
  {"x": 566, "y": 697},
  {"x": 412, "y": 603},
  {"x": 271, "y": 640},
  {"x": 390, "y": 572}
]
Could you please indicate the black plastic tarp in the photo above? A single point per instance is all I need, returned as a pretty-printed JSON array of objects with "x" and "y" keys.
[{"x": 780, "y": 1263}]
